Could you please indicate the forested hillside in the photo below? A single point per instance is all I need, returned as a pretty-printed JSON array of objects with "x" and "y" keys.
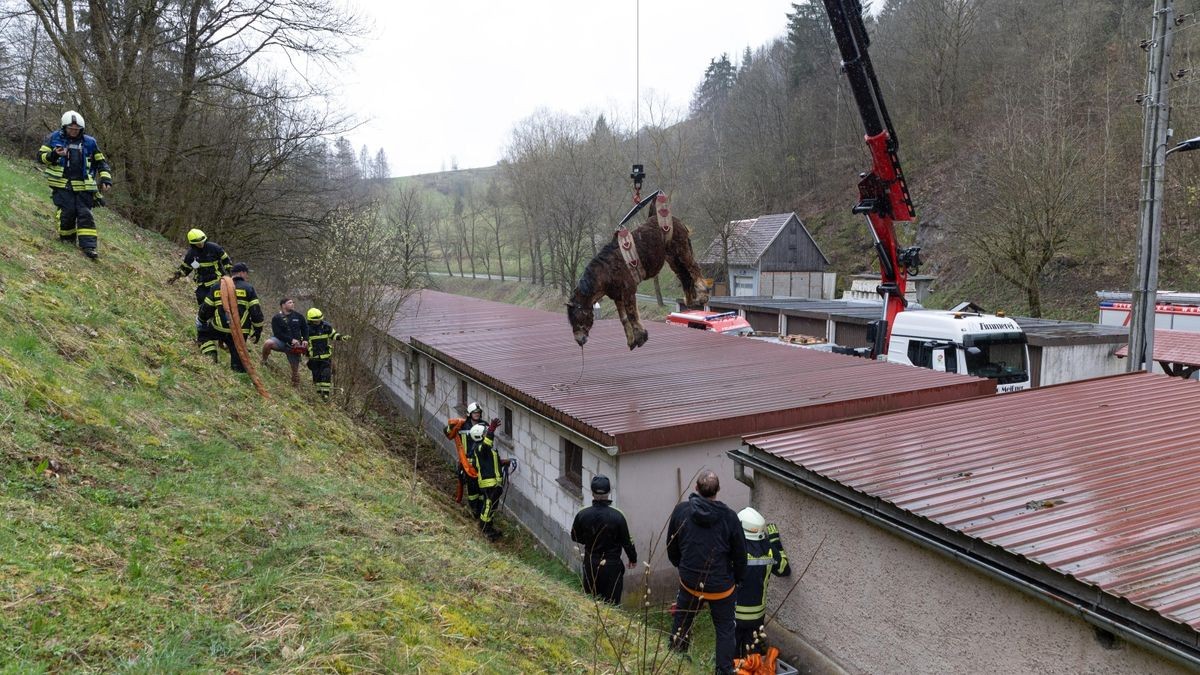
[
  {"x": 1020, "y": 129},
  {"x": 1019, "y": 121}
]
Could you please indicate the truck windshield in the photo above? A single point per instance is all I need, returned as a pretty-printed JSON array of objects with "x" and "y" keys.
[{"x": 1002, "y": 360}]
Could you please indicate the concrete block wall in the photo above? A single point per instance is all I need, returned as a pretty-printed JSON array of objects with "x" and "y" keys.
[{"x": 535, "y": 497}]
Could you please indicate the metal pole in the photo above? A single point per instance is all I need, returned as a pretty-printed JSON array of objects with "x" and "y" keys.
[{"x": 1154, "y": 144}]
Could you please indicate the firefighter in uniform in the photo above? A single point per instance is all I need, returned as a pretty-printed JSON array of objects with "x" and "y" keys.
[
  {"x": 321, "y": 336},
  {"x": 481, "y": 449},
  {"x": 209, "y": 261},
  {"x": 603, "y": 531},
  {"x": 764, "y": 557},
  {"x": 218, "y": 324},
  {"x": 74, "y": 167},
  {"x": 458, "y": 429}
]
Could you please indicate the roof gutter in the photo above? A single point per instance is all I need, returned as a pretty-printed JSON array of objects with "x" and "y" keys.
[{"x": 869, "y": 509}]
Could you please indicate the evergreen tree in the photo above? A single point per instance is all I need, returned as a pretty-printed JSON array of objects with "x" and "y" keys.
[
  {"x": 810, "y": 42},
  {"x": 379, "y": 168},
  {"x": 714, "y": 90}
]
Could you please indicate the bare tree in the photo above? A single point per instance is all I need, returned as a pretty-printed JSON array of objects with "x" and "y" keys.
[
  {"x": 364, "y": 265},
  {"x": 1032, "y": 191},
  {"x": 152, "y": 75}
]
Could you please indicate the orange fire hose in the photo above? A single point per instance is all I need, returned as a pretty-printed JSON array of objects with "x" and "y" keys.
[{"x": 229, "y": 302}]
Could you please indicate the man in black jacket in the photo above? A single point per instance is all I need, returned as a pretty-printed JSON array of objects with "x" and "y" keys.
[
  {"x": 602, "y": 530},
  {"x": 289, "y": 335},
  {"x": 704, "y": 542}
]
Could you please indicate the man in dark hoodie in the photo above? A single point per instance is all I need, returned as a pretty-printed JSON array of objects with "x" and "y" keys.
[{"x": 705, "y": 543}]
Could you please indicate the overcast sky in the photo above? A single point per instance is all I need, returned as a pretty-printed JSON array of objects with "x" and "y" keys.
[{"x": 447, "y": 80}]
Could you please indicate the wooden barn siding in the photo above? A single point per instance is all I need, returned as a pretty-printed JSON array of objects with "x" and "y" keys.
[
  {"x": 792, "y": 284},
  {"x": 793, "y": 251},
  {"x": 800, "y": 325}
]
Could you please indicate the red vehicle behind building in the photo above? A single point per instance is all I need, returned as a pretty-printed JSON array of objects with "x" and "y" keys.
[{"x": 726, "y": 323}]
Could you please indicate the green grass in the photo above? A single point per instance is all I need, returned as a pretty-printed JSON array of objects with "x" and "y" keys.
[{"x": 159, "y": 516}]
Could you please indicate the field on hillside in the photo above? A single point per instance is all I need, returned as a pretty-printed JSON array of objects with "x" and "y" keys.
[{"x": 161, "y": 517}]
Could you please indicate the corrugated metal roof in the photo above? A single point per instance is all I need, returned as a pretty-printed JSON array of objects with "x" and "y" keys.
[
  {"x": 1171, "y": 346},
  {"x": 428, "y": 311},
  {"x": 750, "y": 239},
  {"x": 1096, "y": 480},
  {"x": 684, "y": 385}
]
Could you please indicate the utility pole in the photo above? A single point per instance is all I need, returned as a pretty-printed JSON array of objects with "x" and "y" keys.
[{"x": 1155, "y": 135}]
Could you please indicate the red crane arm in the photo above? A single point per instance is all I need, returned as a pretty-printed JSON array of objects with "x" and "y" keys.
[{"x": 883, "y": 193}]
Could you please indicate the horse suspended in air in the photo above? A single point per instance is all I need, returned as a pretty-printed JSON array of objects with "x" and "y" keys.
[{"x": 632, "y": 256}]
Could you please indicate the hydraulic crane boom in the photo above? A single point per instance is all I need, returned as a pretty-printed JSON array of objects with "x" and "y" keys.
[{"x": 883, "y": 193}]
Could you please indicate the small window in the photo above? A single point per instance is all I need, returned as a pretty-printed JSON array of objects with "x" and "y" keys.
[
  {"x": 429, "y": 382},
  {"x": 410, "y": 373},
  {"x": 462, "y": 394},
  {"x": 390, "y": 356},
  {"x": 571, "y": 470},
  {"x": 920, "y": 353},
  {"x": 507, "y": 422}
]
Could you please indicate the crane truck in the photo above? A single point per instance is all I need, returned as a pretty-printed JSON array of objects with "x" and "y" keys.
[{"x": 959, "y": 340}]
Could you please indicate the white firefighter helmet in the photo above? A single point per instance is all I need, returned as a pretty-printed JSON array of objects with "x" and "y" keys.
[
  {"x": 473, "y": 408},
  {"x": 753, "y": 524},
  {"x": 477, "y": 432},
  {"x": 72, "y": 117}
]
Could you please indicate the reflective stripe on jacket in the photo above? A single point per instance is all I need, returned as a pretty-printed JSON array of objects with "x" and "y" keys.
[
  {"x": 320, "y": 339},
  {"x": 486, "y": 461},
  {"x": 458, "y": 430},
  {"x": 211, "y": 262},
  {"x": 249, "y": 309},
  {"x": 80, "y": 169},
  {"x": 763, "y": 558}
]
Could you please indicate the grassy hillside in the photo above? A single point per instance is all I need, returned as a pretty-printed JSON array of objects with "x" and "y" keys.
[{"x": 159, "y": 516}]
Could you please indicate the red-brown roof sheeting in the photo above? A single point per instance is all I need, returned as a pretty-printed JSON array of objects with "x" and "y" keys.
[
  {"x": 684, "y": 385},
  {"x": 1095, "y": 479},
  {"x": 1173, "y": 346}
]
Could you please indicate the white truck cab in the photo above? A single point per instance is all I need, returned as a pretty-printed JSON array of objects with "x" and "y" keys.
[{"x": 983, "y": 345}]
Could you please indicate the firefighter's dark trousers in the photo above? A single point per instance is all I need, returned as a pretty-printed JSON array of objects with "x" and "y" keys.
[
  {"x": 491, "y": 502},
  {"x": 208, "y": 337},
  {"x": 322, "y": 373},
  {"x": 235, "y": 359},
  {"x": 73, "y": 212},
  {"x": 474, "y": 496},
  {"x": 604, "y": 578},
  {"x": 203, "y": 291}
]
